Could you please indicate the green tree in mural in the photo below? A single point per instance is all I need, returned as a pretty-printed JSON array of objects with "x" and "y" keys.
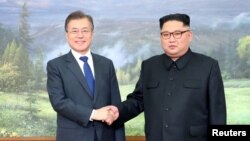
[
  {"x": 25, "y": 64},
  {"x": 6, "y": 36},
  {"x": 8, "y": 77},
  {"x": 14, "y": 62},
  {"x": 244, "y": 54},
  {"x": 24, "y": 36},
  {"x": 5, "y": 57},
  {"x": 9, "y": 72},
  {"x": 122, "y": 76},
  {"x": 39, "y": 72},
  {"x": 135, "y": 71},
  {"x": 129, "y": 74},
  {"x": 21, "y": 60},
  {"x": 25, "y": 40}
]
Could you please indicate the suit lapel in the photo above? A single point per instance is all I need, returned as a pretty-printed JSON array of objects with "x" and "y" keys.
[
  {"x": 98, "y": 73},
  {"x": 75, "y": 69}
]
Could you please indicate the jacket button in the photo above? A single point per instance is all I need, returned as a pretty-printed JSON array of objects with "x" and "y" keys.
[{"x": 166, "y": 126}]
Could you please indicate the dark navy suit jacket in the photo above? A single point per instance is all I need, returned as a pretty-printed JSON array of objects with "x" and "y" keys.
[{"x": 70, "y": 97}]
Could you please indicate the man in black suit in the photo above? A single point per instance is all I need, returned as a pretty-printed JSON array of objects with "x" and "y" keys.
[
  {"x": 181, "y": 92},
  {"x": 77, "y": 102}
]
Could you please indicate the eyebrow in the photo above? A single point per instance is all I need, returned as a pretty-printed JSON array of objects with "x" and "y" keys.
[
  {"x": 175, "y": 31},
  {"x": 80, "y": 28}
]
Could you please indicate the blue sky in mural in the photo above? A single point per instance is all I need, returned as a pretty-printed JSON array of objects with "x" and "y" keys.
[
  {"x": 211, "y": 12},
  {"x": 128, "y": 28}
]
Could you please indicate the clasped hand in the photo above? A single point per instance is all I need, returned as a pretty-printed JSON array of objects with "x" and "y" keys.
[{"x": 106, "y": 114}]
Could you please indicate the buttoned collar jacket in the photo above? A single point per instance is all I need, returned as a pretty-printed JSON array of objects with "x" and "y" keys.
[{"x": 180, "y": 99}]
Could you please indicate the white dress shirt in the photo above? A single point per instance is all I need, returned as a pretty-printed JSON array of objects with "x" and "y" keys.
[{"x": 81, "y": 63}]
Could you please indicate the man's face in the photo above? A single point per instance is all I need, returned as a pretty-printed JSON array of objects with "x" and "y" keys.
[
  {"x": 178, "y": 43},
  {"x": 79, "y": 35}
]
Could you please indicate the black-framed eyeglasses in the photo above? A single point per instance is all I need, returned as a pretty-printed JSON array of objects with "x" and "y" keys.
[{"x": 176, "y": 34}]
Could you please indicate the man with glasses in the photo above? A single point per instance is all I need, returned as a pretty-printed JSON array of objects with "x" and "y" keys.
[
  {"x": 181, "y": 92},
  {"x": 80, "y": 83}
]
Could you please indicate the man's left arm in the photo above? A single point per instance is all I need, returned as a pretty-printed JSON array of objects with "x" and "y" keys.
[{"x": 217, "y": 102}]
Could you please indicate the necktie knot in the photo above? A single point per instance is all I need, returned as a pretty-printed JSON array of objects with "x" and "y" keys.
[{"x": 84, "y": 59}]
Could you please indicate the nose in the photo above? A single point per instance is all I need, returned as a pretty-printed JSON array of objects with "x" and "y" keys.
[
  {"x": 171, "y": 38},
  {"x": 80, "y": 34}
]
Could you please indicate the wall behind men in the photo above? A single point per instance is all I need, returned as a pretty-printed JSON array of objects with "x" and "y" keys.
[{"x": 32, "y": 32}]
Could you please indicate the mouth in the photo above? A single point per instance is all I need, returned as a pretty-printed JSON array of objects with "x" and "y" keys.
[
  {"x": 80, "y": 42},
  {"x": 172, "y": 46}
]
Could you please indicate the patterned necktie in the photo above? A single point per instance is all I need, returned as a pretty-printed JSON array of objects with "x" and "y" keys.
[{"x": 88, "y": 74}]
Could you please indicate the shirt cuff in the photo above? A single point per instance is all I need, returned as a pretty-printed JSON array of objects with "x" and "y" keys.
[{"x": 91, "y": 119}]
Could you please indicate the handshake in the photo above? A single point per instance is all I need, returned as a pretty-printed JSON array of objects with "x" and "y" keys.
[{"x": 106, "y": 114}]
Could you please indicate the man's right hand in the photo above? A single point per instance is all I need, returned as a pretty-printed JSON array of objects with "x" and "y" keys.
[{"x": 106, "y": 114}]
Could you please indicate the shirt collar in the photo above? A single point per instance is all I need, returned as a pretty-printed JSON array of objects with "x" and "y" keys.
[
  {"x": 78, "y": 55},
  {"x": 180, "y": 63}
]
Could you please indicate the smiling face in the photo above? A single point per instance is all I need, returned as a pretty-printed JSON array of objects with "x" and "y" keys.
[
  {"x": 176, "y": 47},
  {"x": 79, "y": 35}
]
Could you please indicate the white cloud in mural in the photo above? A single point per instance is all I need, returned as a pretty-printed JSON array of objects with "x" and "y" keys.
[
  {"x": 241, "y": 18},
  {"x": 34, "y": 3},
  {"x": 120, "y": 55},
  {"x": 232, "y": 22}
]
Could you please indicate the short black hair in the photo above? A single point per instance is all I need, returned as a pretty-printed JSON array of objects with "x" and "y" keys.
[
  {"x": 78, "y": 15},
  {"x": 184, "y": 18}
]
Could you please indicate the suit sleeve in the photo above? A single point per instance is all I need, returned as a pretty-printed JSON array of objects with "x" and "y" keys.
[
  {"x": 133, "y": 105},
  {"x": 60, "y": 103},
  {"x": 116, "y": 99},
  {"x": 217, "y": 102}
]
